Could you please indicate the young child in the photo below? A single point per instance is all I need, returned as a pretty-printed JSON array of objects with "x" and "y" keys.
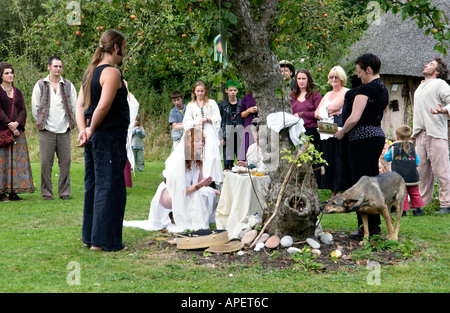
[
  {"x": 404, "y": 160},
  {"x": 137, "y": 145},
  {"x": 176, "y": 116}
]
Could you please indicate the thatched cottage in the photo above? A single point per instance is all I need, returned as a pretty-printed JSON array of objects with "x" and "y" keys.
[{"x": 404, "y": 49}]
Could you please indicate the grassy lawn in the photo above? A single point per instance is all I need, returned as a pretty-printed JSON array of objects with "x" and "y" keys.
[{"x": 42, "y": 252}]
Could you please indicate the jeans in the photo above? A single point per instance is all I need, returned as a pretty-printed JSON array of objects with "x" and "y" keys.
[{"x": 105, "y": 157}]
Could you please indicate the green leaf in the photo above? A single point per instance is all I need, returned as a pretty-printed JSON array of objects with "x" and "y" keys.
[{"x": 232, "y": 18}]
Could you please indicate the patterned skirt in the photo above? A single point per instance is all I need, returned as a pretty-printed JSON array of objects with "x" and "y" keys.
[{"x": 15, "y": 168}]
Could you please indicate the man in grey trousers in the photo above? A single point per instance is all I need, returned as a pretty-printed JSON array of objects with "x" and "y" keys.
[{"x": 53, "y": 107}]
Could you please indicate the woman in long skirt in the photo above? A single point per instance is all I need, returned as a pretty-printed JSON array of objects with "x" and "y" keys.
[{"x": 15, "y": 167}]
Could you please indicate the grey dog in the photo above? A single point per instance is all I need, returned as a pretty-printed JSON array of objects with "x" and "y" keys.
[{"x": 372, "y": 195}]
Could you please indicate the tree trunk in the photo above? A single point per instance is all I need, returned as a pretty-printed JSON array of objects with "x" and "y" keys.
[{"x": 258, "y": 66}]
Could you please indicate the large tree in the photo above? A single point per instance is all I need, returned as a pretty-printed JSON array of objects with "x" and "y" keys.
[{"x": 250, "y": 35}]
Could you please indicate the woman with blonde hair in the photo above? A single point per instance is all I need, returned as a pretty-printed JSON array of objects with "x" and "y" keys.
[
  {"x": 329, "y": 110},
  {"x": 204, "y": 113},
  {"x": 103, "y": 116}
]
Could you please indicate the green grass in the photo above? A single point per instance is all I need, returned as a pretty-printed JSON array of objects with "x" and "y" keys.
[{"x": 41, "y": 238}]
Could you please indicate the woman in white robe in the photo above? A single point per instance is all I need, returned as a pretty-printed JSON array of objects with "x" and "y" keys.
[
  {"x": 184, "y": 201},
  {"x": 204, "y": 113}
]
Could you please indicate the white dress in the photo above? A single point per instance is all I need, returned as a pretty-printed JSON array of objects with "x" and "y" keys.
[
  {"x": 193, "y": 212},
  {"x": 212, "y": 158}
]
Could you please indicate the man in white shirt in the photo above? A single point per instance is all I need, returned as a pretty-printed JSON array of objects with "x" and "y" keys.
[
  {"x": 53, "y": 107},
  {"x": 430, "y": 128}
]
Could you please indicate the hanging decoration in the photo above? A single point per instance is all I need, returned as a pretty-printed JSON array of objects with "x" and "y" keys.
[{"x": 220, "y": 50}]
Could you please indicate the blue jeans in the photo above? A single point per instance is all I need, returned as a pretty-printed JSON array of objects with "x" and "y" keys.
[{"x": 105, "y": 195}]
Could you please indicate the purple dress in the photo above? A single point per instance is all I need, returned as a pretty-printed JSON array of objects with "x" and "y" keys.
[{"x": 305, "y": 110}]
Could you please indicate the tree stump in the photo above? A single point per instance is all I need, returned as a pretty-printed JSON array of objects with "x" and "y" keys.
[{"x": 299, "y": 204}]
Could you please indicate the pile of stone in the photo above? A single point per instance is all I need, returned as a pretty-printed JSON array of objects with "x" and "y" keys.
[{"x": 274, "y": 241}]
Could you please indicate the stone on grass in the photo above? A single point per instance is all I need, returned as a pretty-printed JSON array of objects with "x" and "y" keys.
[
  {"x": 259, "y": 246},
  {"x": 272, "y": 242},
  {"x": 326, "y": 238},
  {"x": 292, "y": 250},
  {"x": 286, "y": 241},
  {"x": 315, "y": 252},
  {"x": 249, "y": 237},
  {"x": 314, "y": 244},
  {"x": 264, "y": 237}
]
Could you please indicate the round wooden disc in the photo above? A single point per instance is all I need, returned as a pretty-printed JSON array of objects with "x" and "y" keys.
[{"x": 202, "y": 239}]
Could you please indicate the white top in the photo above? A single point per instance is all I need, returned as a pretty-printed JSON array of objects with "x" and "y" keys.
[
  {"x": 428, "y": 95},
  {"x": 193, "y": 114},
  {"x": 57, "y": 121},
  {"x": 323, "y": 110},
  {"x": 212, "y": 159}
]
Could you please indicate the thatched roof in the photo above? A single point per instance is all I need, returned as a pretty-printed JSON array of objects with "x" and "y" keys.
[{"x": 402, "y": 47}]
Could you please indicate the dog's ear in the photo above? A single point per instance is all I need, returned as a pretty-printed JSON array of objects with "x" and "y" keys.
[{"x": 350, "y": 203}]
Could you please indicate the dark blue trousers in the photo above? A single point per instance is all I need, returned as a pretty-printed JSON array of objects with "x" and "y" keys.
[{"x": 105, "y": 195}]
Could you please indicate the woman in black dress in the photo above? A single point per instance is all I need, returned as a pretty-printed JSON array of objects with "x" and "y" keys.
[{"x": 362, "y": 115}]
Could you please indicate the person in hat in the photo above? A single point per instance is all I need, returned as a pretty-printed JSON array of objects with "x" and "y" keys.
[
  {"x": 231, "y": 119},
  {"x": 287, "y": 71}
]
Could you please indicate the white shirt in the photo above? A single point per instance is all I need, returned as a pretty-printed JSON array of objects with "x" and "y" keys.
[
  {"x": 57, "y": 121},
  {"x": 428, "y": 95}
]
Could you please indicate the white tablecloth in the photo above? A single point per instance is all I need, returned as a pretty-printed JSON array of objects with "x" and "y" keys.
[{"x": 238, "y": 201}]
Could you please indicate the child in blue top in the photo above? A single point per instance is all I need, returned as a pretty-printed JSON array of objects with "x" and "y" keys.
[{"x": 404, "y": 160}]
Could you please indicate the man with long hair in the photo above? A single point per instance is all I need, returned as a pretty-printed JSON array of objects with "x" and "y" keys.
[{"x": 103, "y": 116}]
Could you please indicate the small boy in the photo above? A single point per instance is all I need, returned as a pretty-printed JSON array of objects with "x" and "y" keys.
[
  {"x": 176, "y": 116},
  {"x": 402, "y": 154},
  {"x": 137, "y": 145}
]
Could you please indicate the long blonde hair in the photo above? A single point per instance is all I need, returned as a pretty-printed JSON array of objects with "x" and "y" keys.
[
  {"x": 189, "y": 152},
  {"x": 404, "y": 134},
  {"x": 106, "y": 45}
]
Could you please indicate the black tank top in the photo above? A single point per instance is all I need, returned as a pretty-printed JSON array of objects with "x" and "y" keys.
[{"x": 118, "y": 116}]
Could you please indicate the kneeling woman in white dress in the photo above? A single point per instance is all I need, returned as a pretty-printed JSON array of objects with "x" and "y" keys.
[{"x": 184, "y": 201}]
